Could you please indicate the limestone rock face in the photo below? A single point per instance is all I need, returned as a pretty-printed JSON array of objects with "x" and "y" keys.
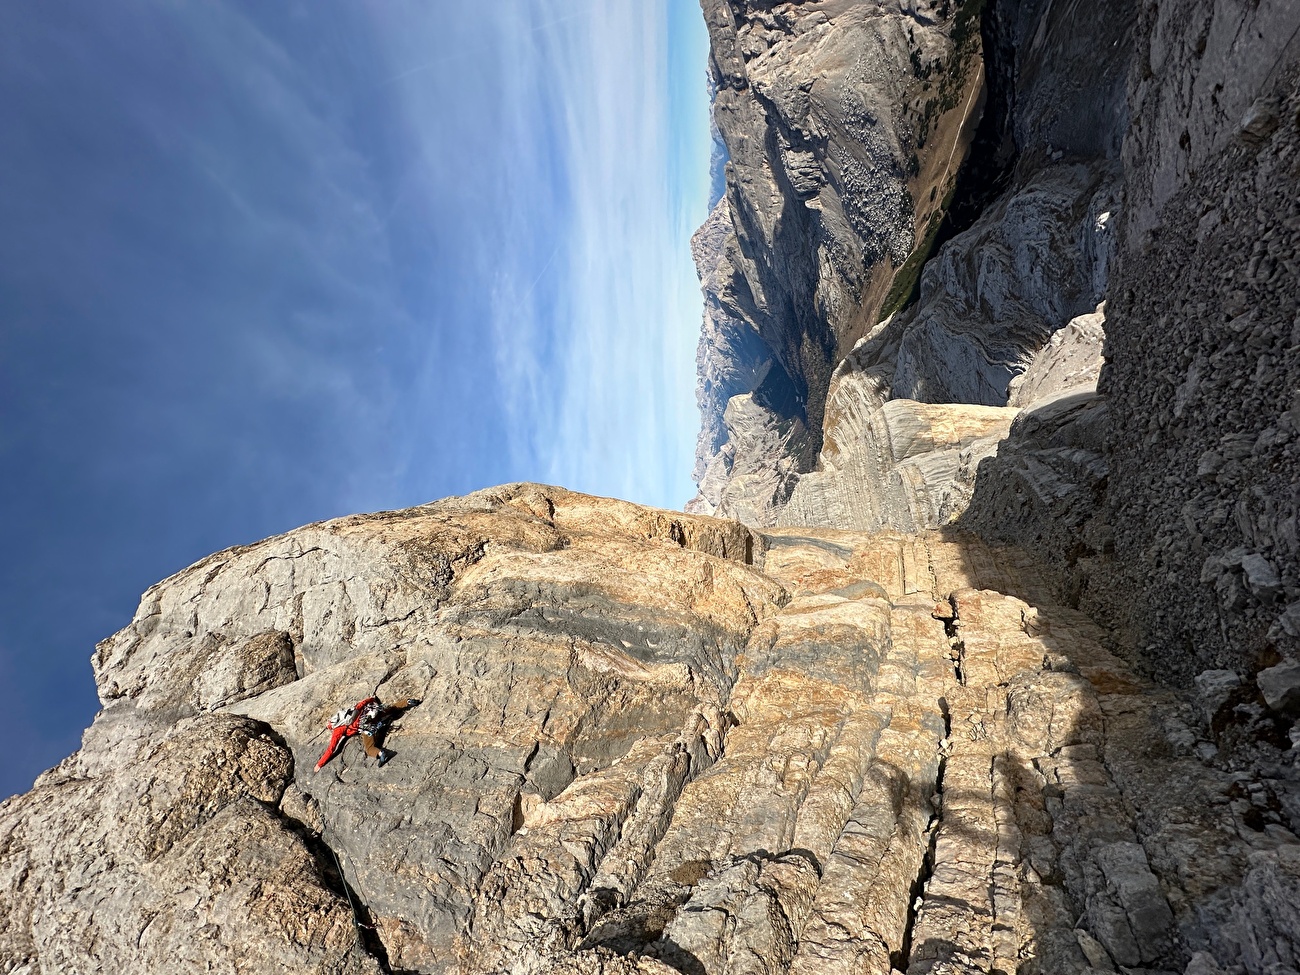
[
  {"x": 1041, "y": 196},
  {"x": 893, "y": 463},
  {"x": 1147, "y": 457},
  {"x": 902, "y": 464},
  {"x": 547, "y": 645},
  {"x": 729, "y": 360},
  {"x": 1069, "y": 363},
  {"x": 1168, "y": 499},
  {"x": 1210, "y": 75},
  {"x": 1043, "y": 486},
  {"x": 160, "y": 846},
  {"x": 742, "y": 480},
  {"x": 1165, "y": 497},
  {"x": 845, "y": 123},
  {"x": 647, "y": 742},
  {"x": 1038, "y": 202},
  {"x": 994, "y": 296}
]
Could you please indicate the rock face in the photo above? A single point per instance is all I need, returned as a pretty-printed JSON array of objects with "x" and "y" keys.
[
  {"x": 1145, "y": 157},
  {"x": 1169, "y": 500},
  {"x": 1069, "y": 363},
  {"x": 1036, "y": 255},
  {"x": 1043, "y": 486},
  {"x": 161, "y": 846},
  {"x": 995, "y": 295},
  {"x": 647, "y": 742},
  {"x": 845, "y": 124},
  {"x": 1214, "y": 418},
  {"x": 893, "y": 463}
]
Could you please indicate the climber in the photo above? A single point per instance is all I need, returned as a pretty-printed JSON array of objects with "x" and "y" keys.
[{"x": 369, "y": 719}]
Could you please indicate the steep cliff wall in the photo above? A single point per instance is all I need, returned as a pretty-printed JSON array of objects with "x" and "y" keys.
[
  {"x": 1147, "y": 157},
  {"x": 1026, "y": 246},
  {"x": 1203, "y": 361},
  {"x": 1034, "y": 255},
  {"x": 646, "y": 742},
  {"x": 845, "y": 124},
  {"x": 1170, "y": 501}
]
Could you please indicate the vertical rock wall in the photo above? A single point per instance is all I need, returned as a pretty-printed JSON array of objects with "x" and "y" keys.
[
  {"x": 1203, "y": 351},
  {"x": 1027, "y": 238},
  {"x": 1169, "y": 500},
  {"x": 845, "y": 123},
  {"x": 1036, "y": 255}
]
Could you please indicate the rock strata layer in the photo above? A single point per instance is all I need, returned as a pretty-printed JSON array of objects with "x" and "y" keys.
[
  {"x": 845, "y": 124},
  {"x": 647, "y": 742}
]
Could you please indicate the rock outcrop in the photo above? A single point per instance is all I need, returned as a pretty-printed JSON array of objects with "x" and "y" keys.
[
  {"x": 1146, "y": 157},
  {"x": 1169, "y": 500},
  {"x": 1203, "y": 349},
  {"x": 647, "y": 742},
  {"x": 845, "y": 125},
  {"x": 1068, "y": 364},
  {"x": 1039, "y": 194},
  {"x": 894, "y": 463},
  {"x": 1043, "y": 487}
]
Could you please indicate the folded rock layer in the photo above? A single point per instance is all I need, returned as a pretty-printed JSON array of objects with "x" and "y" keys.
[{"x": 645, "y": 741}]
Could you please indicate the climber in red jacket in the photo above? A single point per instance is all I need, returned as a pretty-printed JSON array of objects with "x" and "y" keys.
[{"x": 369, "y": 719}]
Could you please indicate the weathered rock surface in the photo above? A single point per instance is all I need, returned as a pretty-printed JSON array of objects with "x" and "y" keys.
[
  {"x": 1203, "y": 343},
  {"x": 1043, "y": 487},
  {"x": 893, "y": 463},
  {"x": 1069, "y": 363},
  {"x": 647, "y": 743},
  {"x": 1167, "y": 500},
  {"x": 993, "y": 297},
  {"x": 1034, "y": 258},
  {"x": 743, "y": 480},
  {"x": 729, "y": 360},
  {"x": 902, "y": 464},
  {"x": 845, "y": 123},
  {"x": 1135, "y": 156},
  {"x": 160, "y": 846}
]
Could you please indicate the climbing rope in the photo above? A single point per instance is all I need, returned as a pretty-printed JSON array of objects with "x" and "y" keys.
[{"x": 356, "y": 916}]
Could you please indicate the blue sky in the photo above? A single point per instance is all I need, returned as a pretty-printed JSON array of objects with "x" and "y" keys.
[{"x": 262, "y": 264}]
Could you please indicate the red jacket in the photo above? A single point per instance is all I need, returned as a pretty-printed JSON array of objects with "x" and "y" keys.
[{"x": 345, "y": 724}]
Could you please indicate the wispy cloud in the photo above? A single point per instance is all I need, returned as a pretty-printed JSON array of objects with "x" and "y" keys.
[
  {"x": 636, "y": 303},
  {"x": 597, "y": 367},
  {"x": 624, "y": 285}
]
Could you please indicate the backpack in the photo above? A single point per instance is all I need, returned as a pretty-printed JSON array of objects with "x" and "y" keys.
[{"x": 371, "y": 716}]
